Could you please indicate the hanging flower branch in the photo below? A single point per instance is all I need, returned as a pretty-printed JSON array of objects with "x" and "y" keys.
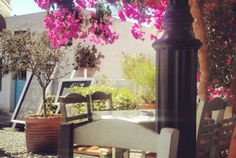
[
  {"x": 69, "y": 21},
  {"x": 143, "y": 12},
  {"x": 63, "y": 25},
  {"x": 220, "y": 21},
  {"x": 100, "y": 22}
]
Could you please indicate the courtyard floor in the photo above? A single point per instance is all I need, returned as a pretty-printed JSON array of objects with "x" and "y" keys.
[{"x": 12, "y": 145}]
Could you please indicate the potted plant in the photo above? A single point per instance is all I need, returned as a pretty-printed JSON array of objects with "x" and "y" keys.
[
  {"x": 88, "y": 60},
  {"x": 141, "y": 73},
  {"x": 33, "y": 52}
]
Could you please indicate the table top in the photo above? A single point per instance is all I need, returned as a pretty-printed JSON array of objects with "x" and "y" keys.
[{"x": 143, "y": 117}]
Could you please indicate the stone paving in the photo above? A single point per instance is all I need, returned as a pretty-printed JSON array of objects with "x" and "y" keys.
[{"x": 12, "y": 145}]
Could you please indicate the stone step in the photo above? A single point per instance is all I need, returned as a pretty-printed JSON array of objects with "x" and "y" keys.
[
  {"x": 4, "y": 113},
  {"x": 5, "y": 121}
]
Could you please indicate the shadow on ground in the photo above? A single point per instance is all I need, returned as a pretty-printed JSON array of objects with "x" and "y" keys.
[{"x": 5, "y": 155}]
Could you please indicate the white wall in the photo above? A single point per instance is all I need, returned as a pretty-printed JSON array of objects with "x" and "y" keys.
[
  {"x": 5, "y": 93},
  {"x": 110, "y": 65}
]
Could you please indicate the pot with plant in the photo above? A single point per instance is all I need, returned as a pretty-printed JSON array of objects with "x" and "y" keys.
[
  {"x": 33, "y": 52},
  {"x": 141, "y": 74},
  {"x": 88, "y": 60}
]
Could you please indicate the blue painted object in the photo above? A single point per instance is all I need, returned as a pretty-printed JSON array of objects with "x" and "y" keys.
[{"x": 19, "y": 85}]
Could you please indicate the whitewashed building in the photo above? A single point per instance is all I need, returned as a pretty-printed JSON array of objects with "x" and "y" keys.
[{"x": 12, "y": 85}]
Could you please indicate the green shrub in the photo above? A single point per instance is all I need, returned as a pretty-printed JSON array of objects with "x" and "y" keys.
[
  {"x": 122, "y": 99},
  {"x": 51, "y": 108},
  {"x": 141, "y": 73}
]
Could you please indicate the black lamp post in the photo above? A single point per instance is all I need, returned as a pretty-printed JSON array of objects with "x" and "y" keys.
[{"x": 176, "y": 76}]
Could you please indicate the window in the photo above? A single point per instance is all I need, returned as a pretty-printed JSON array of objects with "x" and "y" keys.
[
  {"x": 20, "y": 32},
  {"x": 22, "y": 75}
]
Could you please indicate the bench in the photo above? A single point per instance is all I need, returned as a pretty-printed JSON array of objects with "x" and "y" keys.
[{"x": 116, "y": 133}]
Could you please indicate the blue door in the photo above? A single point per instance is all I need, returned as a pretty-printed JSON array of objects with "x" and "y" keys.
[{"x": 19, "y": 85}]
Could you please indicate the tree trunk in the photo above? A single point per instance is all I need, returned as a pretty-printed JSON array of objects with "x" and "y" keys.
[
  {"x": 200, "y": 33},
  {"x": 44, "y": 102}
]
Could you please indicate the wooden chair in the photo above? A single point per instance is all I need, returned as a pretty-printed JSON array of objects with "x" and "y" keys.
[
  {"x": 75, "y": 99},
  {"x": 101, "y": 96},
  {"x": 208, "y": 126},
  {"x": 225, "y": 135},
  {"x": 215, "y": 132}
]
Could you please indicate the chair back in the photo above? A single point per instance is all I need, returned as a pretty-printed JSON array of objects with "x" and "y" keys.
[
  {"x": 74, "y": 99},
  {"x": 103, "y": 97},
  {"x": 211, "y": 117},
  {"x": 215, "y": 130},
  {"x": 225, "y": 135}
]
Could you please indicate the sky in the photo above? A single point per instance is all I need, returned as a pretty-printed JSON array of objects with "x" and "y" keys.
[{"x": 21, "y": 7}]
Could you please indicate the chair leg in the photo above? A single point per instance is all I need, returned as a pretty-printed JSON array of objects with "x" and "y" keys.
[
  {"x": 66, "y": 141},
  {"x": 120, "y": 153}
]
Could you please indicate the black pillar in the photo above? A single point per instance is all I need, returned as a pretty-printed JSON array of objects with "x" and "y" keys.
[{"x": 176, "y": 76}]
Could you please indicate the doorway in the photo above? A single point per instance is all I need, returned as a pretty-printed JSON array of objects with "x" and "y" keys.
[{"x": 19, "y": 84}]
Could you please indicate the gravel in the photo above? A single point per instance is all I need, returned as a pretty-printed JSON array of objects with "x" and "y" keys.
[{"x": 12, "y": 145}]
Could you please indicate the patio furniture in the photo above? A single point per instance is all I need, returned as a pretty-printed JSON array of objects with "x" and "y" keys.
[
  {"x": 75, "y": 99},
  {"x": 116, "y": 133},
  {"x": 101, "y": 96},
  {"x": 214, "y": 129},
  {"x": 225, "y": 135}
]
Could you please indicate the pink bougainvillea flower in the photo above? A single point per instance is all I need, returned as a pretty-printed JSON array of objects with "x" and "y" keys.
[
  {"x": 61, "y": 25},
  {"x": 68, "y": 21},
  {"x": 44, "y": 4},
  {"x": 121, "y": 15},
  {"x": 81, "y": 3},
  {"x": 153, "y": 37},
  {"x": 137, "y": 32},
  {"x": 198, "y": 76}
]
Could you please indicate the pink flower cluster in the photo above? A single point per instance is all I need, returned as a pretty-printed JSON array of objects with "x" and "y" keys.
[
  {"x": 68, "y": 21},
  {"x": 100, "y": 33},
  {"x": 217, "y": 92},
  {"x": 137, "y": 32},
  {"x": 44, "y": 4},
  {"x": 143, "y": 13},
  {"x": 62, "y": 26},
  {"x": 158, "y": 13}
]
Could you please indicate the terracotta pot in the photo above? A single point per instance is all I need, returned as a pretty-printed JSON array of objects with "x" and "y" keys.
[
  {"x": 90, "y": 72},
  {"x": 147, "y": 106},
  {"x": 42, "y": 133}
]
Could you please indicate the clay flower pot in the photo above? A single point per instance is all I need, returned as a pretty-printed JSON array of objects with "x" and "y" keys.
[
  {"x": 146, "y": 106},
  {"x": 90, "y": 71},
  {"x": 42, "y": 133}
]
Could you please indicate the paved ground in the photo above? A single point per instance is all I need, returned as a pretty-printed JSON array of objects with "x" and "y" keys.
[{"x": 12, "y": 145}]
